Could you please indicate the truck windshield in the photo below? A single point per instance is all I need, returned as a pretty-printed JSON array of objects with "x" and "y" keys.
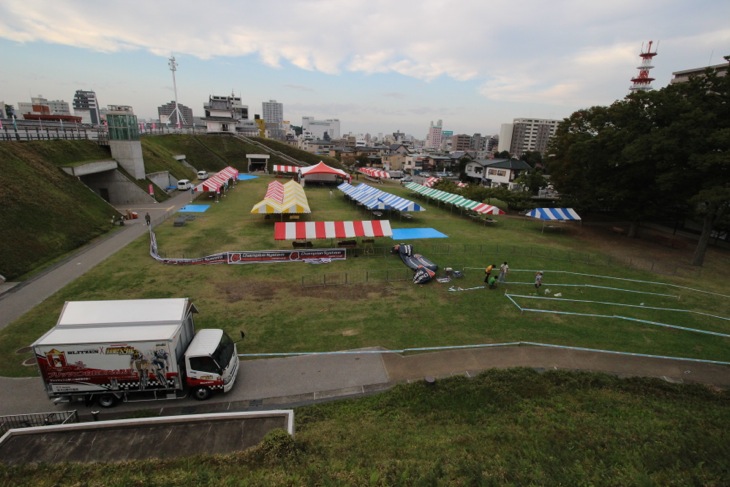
[{"x": 224, "y": 351}]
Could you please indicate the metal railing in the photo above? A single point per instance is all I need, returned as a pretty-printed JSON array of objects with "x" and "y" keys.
[{"x": 37, "y": 419}]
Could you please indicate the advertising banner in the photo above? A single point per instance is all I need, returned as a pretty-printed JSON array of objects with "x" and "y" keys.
[{"x": 312, "y": 256}]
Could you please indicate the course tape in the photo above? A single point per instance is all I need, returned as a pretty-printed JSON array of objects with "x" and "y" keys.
[
  {"x": 678, "y": 310},
  {"x": 616, "y": 278},
  {"x": 484, "y": 345}
]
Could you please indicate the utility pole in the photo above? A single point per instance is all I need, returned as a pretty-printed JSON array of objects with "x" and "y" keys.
[{"x": 173, "y": 68}]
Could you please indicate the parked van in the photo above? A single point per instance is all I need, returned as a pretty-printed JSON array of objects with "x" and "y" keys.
[
  {"x": 202, "y": 175},
  {"x": 184, "y": 185}
]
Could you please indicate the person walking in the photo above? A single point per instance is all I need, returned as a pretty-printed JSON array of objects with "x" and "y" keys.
[
  {"x": 503, "y": 270},
  {"x": 147, "y": 219},
  {"x": 538, "y": 280},
  {"x": 488, "y": 272}
]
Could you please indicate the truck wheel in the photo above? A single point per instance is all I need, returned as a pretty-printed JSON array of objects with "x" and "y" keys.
[
  {"x": 201, "y": 393},
  {"x": 107, "y": 400}
]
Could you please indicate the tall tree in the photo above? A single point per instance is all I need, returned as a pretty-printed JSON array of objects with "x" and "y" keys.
[
  {"x": 533, "y": 158},
  {"x": 696, "y": 150},
  {"x": 651, "y": 153},
  {"x": 600, "y": 159}
]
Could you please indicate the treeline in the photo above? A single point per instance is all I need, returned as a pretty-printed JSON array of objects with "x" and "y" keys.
[{"x": 653, "y": 154}]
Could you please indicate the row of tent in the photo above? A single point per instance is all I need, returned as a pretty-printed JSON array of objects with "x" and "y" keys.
[
  {"x": 218, "y": 180},
  {"x": 376, "y": 199},
  {"x": 287, "y": 198},
  {"x": 454, "y": 199}
]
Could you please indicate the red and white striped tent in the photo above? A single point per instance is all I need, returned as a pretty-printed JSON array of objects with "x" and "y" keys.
[
  {"x": 374, "y": 173},
  {"x": 287, "y": 169},
  {"x": 431, "y": 181},
  {"x": 215, "y": 182},
  {"x": 327, "y": 230}
]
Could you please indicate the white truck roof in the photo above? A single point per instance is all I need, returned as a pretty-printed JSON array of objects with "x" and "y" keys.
[
  {"x": 123, "y": 312},
  {"x": 109, "y": 321},
  {"x": 115, "y": 334}
]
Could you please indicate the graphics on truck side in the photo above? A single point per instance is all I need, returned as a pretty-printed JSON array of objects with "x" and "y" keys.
[{"x": 108, "y": 368}]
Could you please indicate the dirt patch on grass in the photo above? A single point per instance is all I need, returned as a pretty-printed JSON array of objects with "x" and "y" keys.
[
  {"x": 235, "y": 291},
  {"x": 651, "y": 245}
]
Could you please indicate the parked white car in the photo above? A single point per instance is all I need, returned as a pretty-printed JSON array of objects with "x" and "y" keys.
[
  {"x": 184, "y": 185},
  {"x": 202, "y": 175}
]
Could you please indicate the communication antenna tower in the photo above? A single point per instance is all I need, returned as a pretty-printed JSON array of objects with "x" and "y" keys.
[
  {"x": 643, "y": 82},
  {"x": 176, "y": 111}
]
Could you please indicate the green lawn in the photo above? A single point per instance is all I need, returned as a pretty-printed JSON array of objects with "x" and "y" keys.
[
  {"x": 370, "y": 300},
  {"x": 503, "y": 427}
]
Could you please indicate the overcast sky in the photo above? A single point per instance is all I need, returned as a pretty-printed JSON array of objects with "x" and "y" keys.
[{"x": 378, "y": 66}]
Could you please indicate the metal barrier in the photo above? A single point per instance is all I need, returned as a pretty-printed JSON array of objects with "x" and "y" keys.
[{"x": 37, "y": 419}]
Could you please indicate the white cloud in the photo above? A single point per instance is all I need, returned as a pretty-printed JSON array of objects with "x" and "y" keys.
[{"x": 569, "y": 53}]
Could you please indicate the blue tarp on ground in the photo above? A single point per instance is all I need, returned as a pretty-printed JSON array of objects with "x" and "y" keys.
[
  {"x": 244, "y": 177},
  {"x": 414, "y": 233},
  {"x": 194, "y": 208},
  {"x": 554, "y": 214}
]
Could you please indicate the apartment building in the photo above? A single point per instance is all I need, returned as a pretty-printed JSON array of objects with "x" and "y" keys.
[
  {"x": 273, "y": 115},
  {"x": 167, "y": 114},
  {"x": 526, "y": 135}
]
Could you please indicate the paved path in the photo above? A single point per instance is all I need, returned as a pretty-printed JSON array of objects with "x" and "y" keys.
[{"x": 288, "y": 382}]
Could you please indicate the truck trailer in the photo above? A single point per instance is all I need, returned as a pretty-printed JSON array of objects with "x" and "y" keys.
[{"x": 138, "y": 349}]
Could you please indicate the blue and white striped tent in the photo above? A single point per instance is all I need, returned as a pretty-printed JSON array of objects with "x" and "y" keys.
[
  {"x": 376, "y": 199},
  {"x": 554, "y": 214}
]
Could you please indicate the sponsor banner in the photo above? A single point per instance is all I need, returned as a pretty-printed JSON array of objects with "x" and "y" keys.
[
  {"x": 207, "y": 260},
  {"x": 269, "y": 256},
  {"x": 253, "y": 257}
]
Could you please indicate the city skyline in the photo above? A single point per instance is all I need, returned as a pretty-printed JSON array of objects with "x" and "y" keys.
[{"x": 378, "y": 67}]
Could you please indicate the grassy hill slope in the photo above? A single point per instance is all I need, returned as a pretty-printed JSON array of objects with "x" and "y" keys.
[
  {"x": 45, "y": 212},
  {"x": 289, "y": 150},
  {"x": 207, "y": 152}
]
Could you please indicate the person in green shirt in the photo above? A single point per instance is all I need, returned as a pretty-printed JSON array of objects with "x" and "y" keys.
[{"x": 492, "y": 282}]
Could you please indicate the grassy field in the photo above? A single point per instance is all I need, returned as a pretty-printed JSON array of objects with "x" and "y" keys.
[
  {"x": 369, "y": 300},
  {"x": 503, "y": 427}
]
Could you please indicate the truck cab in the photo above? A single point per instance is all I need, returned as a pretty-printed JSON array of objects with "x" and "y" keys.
[{"x": 211, "y": 363}]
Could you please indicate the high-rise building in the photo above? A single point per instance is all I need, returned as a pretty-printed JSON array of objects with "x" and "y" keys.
[
  {"x": 435, "y": 136},
  {"x": 526, "y": 135},
  {"x": 86, "y": 106},
  {"x": 273, "y": 115},
  {"x": 317, "y": 128},
  {"x": 478, "y": 142},
  {"x": 166, "y": 113}
]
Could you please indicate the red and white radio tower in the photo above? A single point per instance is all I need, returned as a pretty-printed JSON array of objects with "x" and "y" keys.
[{"x": 643, "y": 81}]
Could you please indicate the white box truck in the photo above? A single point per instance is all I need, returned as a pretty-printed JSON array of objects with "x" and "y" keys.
[{"x": 122, "y": 350}]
